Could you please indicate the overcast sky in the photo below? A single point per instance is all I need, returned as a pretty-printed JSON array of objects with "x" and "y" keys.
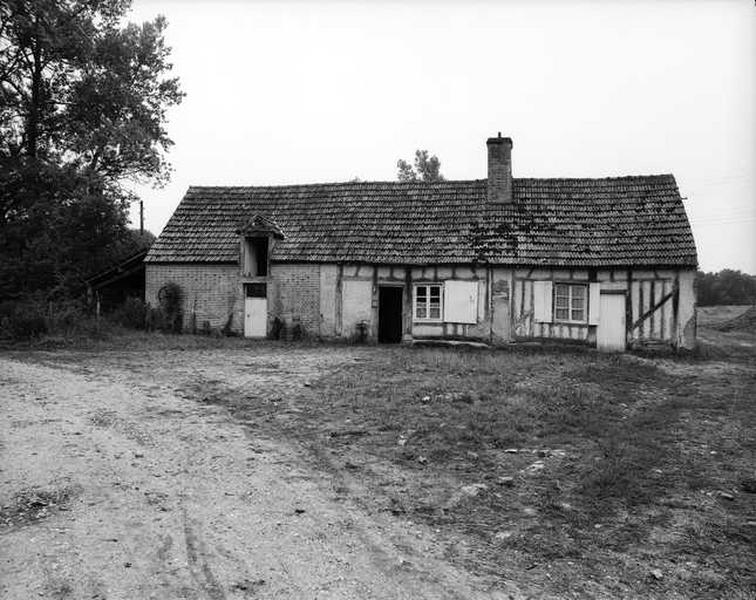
[{"x": 283, "y": 93}]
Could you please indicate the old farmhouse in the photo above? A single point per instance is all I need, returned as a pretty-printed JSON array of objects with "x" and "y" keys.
[{"x": 606, "y": 262}]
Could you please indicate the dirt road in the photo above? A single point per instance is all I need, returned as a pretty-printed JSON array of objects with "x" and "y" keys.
[{"x": 115, "y": 484}]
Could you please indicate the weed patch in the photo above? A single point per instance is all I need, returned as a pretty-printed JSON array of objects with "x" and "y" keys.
[
  {"x": 546, "y": 462},
  {"x": 32, "y": 505}
]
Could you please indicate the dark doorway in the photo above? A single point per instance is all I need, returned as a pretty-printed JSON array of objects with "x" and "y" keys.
[
  {"x": 260, "y": 245},
  {"x": 390, "y": 314}
]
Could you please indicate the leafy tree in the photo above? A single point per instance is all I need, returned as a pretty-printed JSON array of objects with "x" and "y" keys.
[
  {"x": 426, "y": 168},
  {"x": 83, "y": 103},
  {"x": 726, "y": 287},
  {"x": 130, "y": 244}
]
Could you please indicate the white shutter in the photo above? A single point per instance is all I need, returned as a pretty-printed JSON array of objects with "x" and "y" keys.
[
  {"x": 460, "y": 301},
  {"x": 357, "y": 301},
  {"x": 594, "y": 294},
  {"x": 543, "y": 292}
]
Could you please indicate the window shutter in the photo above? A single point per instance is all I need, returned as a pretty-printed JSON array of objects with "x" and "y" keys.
[
  {"x": 593, "y": 303},
  {"x": 543, "y": 294},
  {"x": 460, "y": 301}
]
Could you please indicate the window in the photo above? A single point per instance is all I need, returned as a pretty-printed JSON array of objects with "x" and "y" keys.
[
  {"x": 570, "y": 302},
  {"x": 261, "y": 255},
  {"x": 428, "y": 302},
  {"x": 256, "y": 257},
  {"x": 256, "y": 290}
]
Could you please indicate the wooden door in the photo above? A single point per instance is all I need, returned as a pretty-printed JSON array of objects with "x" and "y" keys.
[
  {"x": 611, "y": 335},
  {"x": 256, "y": 310}
]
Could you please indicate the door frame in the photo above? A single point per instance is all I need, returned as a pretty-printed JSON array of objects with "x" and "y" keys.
[
  {"x": 400, "y": 292},
  {"x": 624, "y": 295},
  {"x": 264, "y": 298}
]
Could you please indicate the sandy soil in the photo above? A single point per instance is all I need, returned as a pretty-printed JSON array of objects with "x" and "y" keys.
[{"x": 115, "y": 483}]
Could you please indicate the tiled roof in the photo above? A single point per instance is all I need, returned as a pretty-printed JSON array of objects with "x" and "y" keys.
[{"x": 623, "y": 221}]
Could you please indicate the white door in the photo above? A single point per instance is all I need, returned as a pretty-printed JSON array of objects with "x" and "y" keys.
[
  {"x": 255, "y": 317},
  {"x": 611, "y": 335}
]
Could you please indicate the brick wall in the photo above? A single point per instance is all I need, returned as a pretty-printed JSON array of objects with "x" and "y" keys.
[
  {"x": 212, "y": 292},
  {"x": 499, "y": 170},
  {"x": 296, "y": 293}
]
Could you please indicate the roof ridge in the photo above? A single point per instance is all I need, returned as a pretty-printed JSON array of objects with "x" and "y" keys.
[
  {"x": 337, "y": 184},
  {"x": 410, "y": 184},
  {"x": 608, "y": 178}
]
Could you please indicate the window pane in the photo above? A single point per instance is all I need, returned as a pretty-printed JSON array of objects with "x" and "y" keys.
[
  {"x": 421, "y": 292},
  {"x": 578, "y": 303},
  {"x": 420, "y": 313},
  {"x": 435, "y": 292},
  {"x": 562, "y": 302},
  {"x": 563, "y": 314},
  {"x": 578, "y": 291},
  {"x": 435, "y": 311},
  {"x": 562, "y": 289},
  {"x": 577, "y": 315}
]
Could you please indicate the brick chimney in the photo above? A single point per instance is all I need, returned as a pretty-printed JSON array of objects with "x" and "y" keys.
[{"x": 499, "y": 170}]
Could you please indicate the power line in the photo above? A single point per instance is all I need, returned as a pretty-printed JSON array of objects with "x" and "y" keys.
[
  {"x": 723, "y": 218},
  {"x": 723, "y": 223},
  {"x": 715, "y": 218},
  {"x": 733, "y": 211}
]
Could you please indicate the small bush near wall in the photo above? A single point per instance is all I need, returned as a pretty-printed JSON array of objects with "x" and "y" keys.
[
  {"x": 131, "y": 314},
  {"x": 275, "y": 329},
  {"x": 228, "y": 328},
  {"x": 171, "y": 299},
  {"x": 155, "y": 319},
  {"x": 360, "y": 333},
  {"x": 298, "y": 332}
]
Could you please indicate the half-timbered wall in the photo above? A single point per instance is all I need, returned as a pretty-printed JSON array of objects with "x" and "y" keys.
[
  {"x": 330, "y": 300},
  {"x": 356, "y": 299},
  {"x": 524, "y": 322},
  {"x": 662, "y": 307},
  {"x": 660, "y": 304},
  {"x": 440, "y": 274}
]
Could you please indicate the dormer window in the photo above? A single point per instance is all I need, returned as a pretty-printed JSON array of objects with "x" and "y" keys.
[
  {"x": 255, "y": 257},
  {"x": 257, "y": 236}
]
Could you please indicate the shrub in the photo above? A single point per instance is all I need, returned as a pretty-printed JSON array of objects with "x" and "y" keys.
[
  {"x": 22, "y": 320},
  {"x": 276, "y": 329},
  {"x": 154, "y": 319},
  {"x": 132, "y": 314},
  {"x": 298, "y": 331},
  {"x": 227, "y": 329},
  {"x": 171, "y": 306}
]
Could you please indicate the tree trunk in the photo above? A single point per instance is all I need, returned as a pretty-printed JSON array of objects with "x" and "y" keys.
[{"x": 35, "y": 104}]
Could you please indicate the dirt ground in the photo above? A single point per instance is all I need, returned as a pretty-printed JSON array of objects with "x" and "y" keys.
[
  {"x": 115, "y": 485},
  {"x": 228, "y": 469}
]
